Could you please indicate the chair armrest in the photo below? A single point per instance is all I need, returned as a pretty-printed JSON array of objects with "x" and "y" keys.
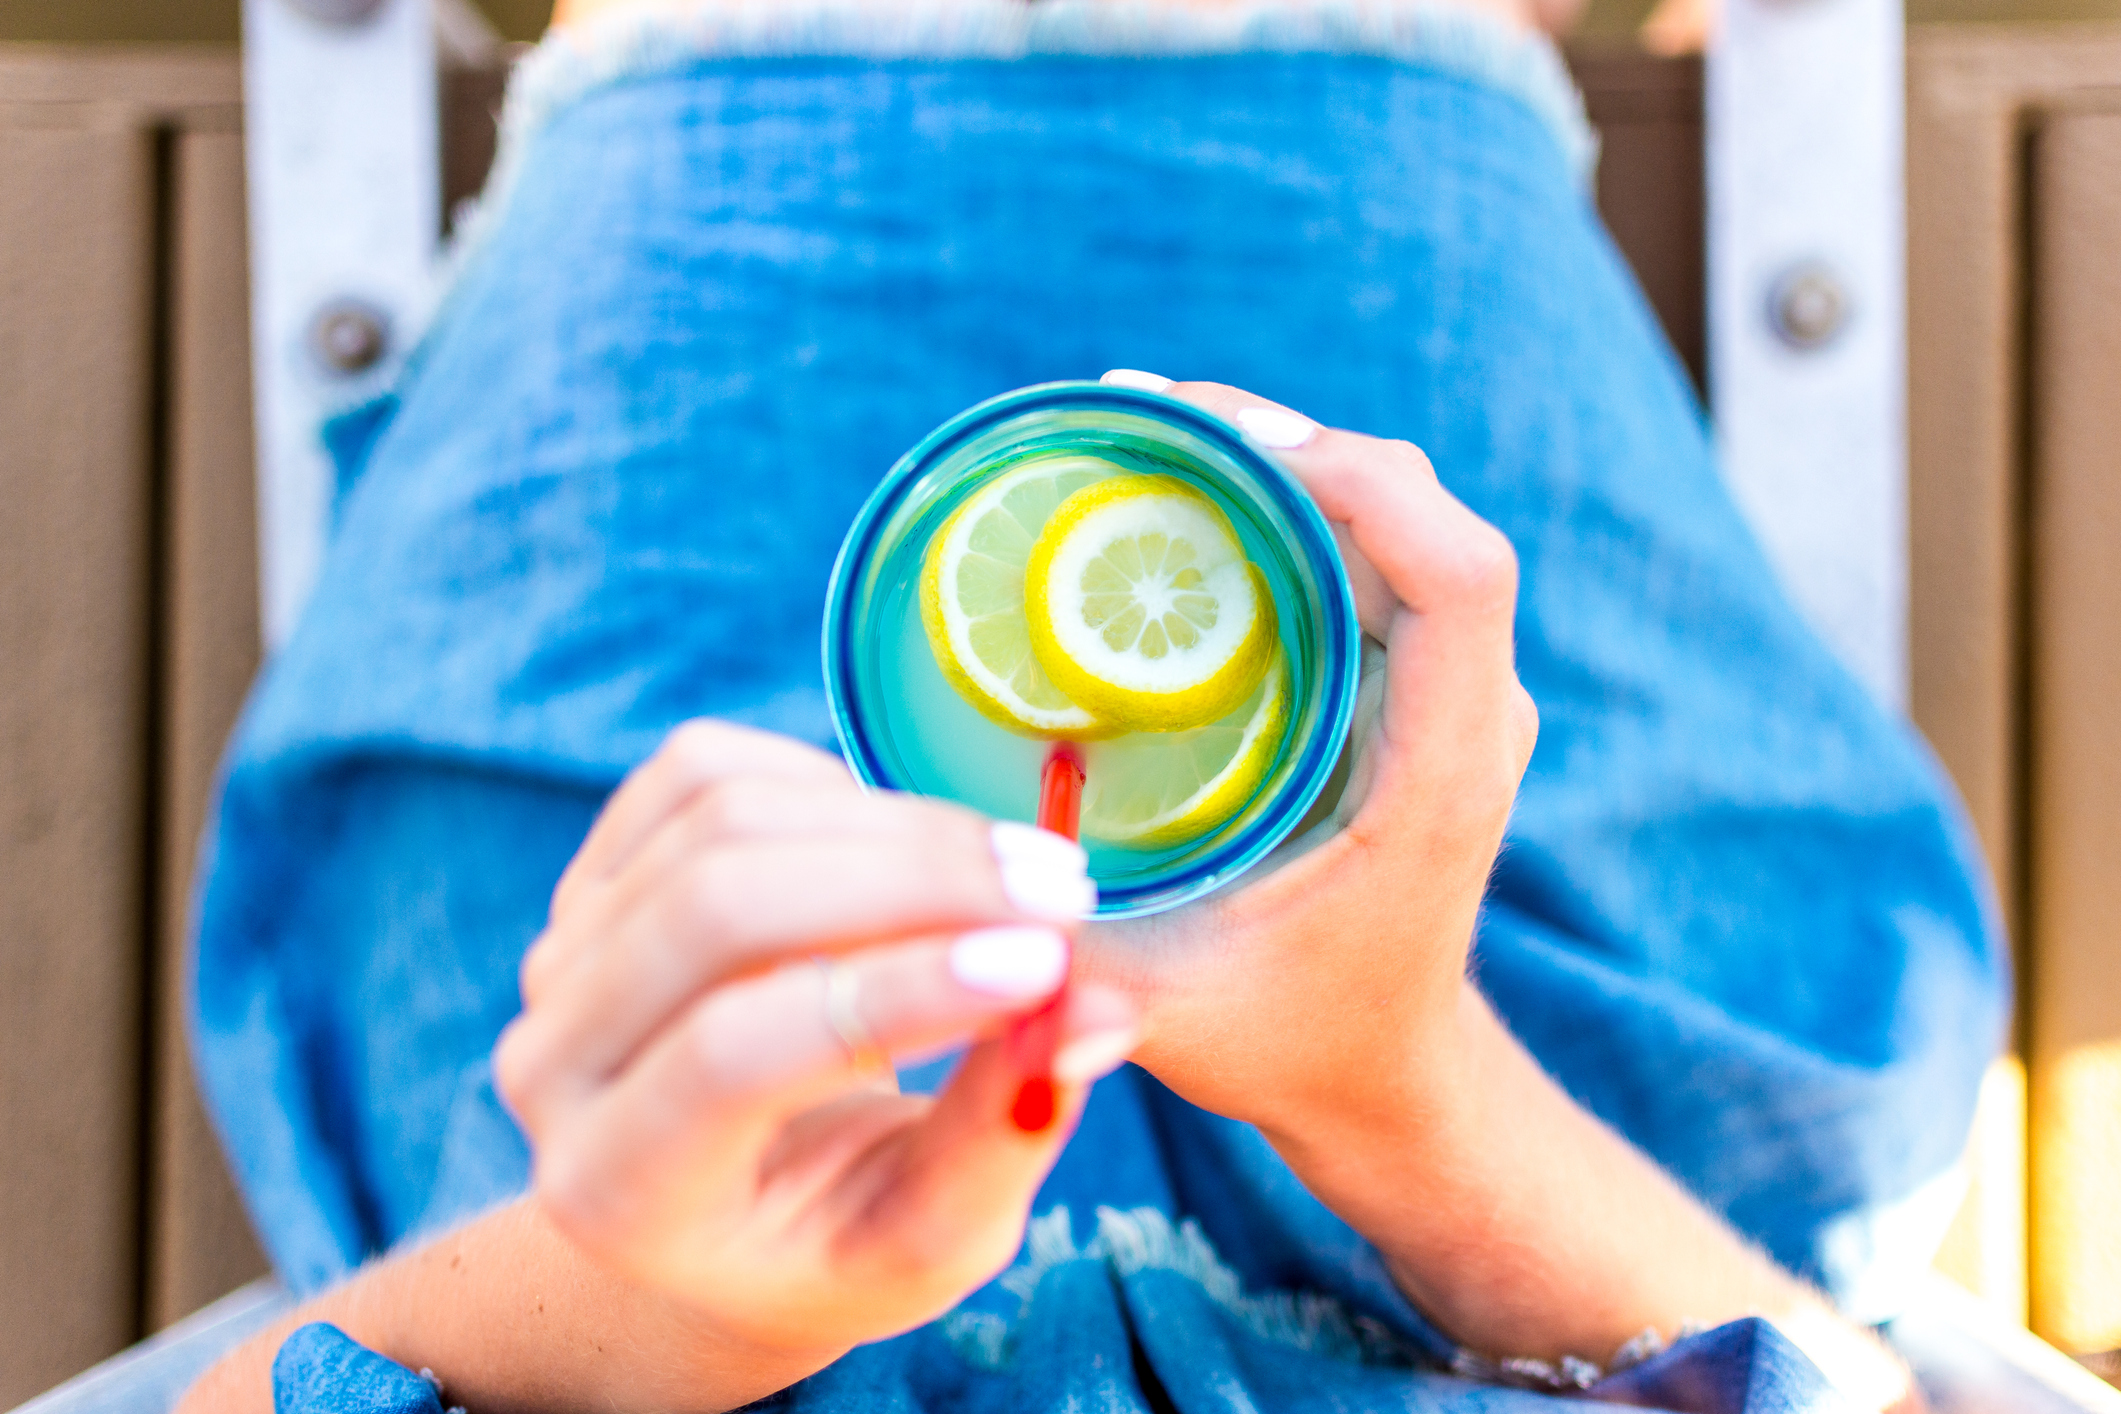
[
  {"x": 149, "y": 1377},
  {"x": 1971, "y": 1360}
]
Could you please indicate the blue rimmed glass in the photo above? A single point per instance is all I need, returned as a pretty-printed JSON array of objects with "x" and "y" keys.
[{"x": 903, "y": 727}]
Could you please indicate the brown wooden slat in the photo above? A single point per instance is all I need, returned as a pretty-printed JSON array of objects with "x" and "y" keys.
[
  {"x": 77, "y": 228},
  {"x": 1652, "y": 196},
  {"x": 199, "y": 1241},
  {"x": 1963, "y": 419},
  {"x": 102, "y": 21},
  {"x": 1647, "y": 111},
  {"x": 1971, "y": 92},
  {"x": 471, "y": 107},
  {"x": 166, "y": 78},
  {"x": 2074, "y": 820}
]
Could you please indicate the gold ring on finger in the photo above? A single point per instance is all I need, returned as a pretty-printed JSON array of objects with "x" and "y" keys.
[{"x": 843, "y": 1014}]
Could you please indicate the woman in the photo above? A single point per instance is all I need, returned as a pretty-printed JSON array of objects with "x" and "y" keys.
[{"x": 714, "y": 293}]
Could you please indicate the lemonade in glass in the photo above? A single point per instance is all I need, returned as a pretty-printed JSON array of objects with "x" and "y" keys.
[{"x": 1119, "y": 572}]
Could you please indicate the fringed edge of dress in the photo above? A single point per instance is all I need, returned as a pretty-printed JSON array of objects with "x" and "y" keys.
[{"x": 637, "y": 43}]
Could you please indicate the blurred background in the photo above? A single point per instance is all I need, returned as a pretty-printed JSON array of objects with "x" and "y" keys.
[
  {"x": 131, "y": 621},
  {"x": 215, "y": 21}
]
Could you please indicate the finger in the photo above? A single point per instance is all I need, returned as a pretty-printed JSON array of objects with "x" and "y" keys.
[
  {"x": 692, "y": 756},
  {"x": 735, "y": 909},
  {"x": 703, "y": 1100},
  {"x": 1286, "y": 431},
  {"x": 1452, "y": 695},
  {"x": 757, "y": 809},
  {"x": 1432, "y": 550},
  {"x": 1457, "y": 573},
  {"x": 968, "y": 1173},
  {"x": 1453, "y": 702},
  {"x": 761, "y": 812},
  {"x": 1375, "y": 603},
  {"x": 1435, "y": 554}
]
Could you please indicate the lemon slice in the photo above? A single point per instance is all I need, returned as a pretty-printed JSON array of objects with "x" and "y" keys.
[
  {"x": 1143, "y": 607},
  {"x": 972, "y": 597},
  {"x": 1151, "y": 792}
]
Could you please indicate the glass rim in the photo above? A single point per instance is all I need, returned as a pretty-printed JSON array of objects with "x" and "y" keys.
[{"x": 1340, "y": 636}]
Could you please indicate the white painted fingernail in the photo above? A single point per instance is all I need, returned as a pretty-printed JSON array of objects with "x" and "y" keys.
[
  {"x": 1043, "y": 874},
  {"x": 1018, "y": 843},
  {"x": 1271, "y": 427},
  {"x": 1010, "y": 962},
  {"x": 1085, "y": 1058},
  {"x": 1135, "y": 378}
]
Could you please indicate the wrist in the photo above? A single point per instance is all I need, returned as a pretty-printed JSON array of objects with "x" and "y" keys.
[
  {"x": 706, "y": 1353},
  {"x": 1416, "y": 1160},
  {"x": 511, "y": 1312},
  {"x": 1406, "y": 1106},
  {"x": 702, "y": 1361},
  {"x": 1466, "y": 1181}
]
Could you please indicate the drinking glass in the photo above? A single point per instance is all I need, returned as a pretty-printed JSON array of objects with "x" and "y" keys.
[{"x": 903, "y": 727}]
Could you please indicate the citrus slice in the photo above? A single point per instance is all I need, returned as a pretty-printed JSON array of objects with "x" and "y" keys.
[
  {"x": 972, "y": 597},
  {"x": 1143, "y": 607},
  {"x": 1151, "y": 792}
]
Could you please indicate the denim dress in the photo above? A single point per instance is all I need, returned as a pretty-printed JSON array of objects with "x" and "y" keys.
[{"x": 731, "y": 264}]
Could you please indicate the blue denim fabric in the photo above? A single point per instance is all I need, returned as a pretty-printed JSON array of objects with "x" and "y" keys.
[
  {"x": 1738, "y": 915},
  {"x": 319, "y": 1367},
  {"x": 1744, "y": 1365}
]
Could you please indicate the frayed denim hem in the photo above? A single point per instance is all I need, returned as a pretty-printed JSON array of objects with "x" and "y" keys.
[{"x": 568, "y": 65}]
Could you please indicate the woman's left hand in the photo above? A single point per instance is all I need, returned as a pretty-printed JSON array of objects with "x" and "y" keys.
[
  {"x": 1331, "y": 985},
  {"x": 1327, "y": 1001}
]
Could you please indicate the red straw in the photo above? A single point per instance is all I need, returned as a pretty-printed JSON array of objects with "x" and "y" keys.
[
  {"x": 1037, "y": 1036},
  {"x": 1060, "y": 791}
]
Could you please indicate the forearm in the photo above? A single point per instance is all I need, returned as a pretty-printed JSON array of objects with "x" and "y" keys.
[
  {"x": 1527, "y": 1228},
  {"x": 511, "y": 1316}
]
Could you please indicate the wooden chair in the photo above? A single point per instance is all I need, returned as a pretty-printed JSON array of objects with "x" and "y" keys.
[{"x": 151, "y": 547}]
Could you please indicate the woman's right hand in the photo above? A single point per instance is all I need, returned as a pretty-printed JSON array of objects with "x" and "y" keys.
[{"x": 686, "y": 1063}]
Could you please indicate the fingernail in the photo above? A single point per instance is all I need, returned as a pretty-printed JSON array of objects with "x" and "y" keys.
[
  {"x": 1271, "y": 427},
  {"x": 1043, "y": 874},
  {"x": 1084, "y": 1059},
  {"x": 1010, "y": 962},
  {"x": 1135, "y": 378}
]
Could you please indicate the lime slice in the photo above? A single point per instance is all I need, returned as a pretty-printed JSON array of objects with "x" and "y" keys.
[
  {"x": 1143, "y": 607},
  {"x": 1154, "y": 791},
  {"x": 972, "y": 597}
]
